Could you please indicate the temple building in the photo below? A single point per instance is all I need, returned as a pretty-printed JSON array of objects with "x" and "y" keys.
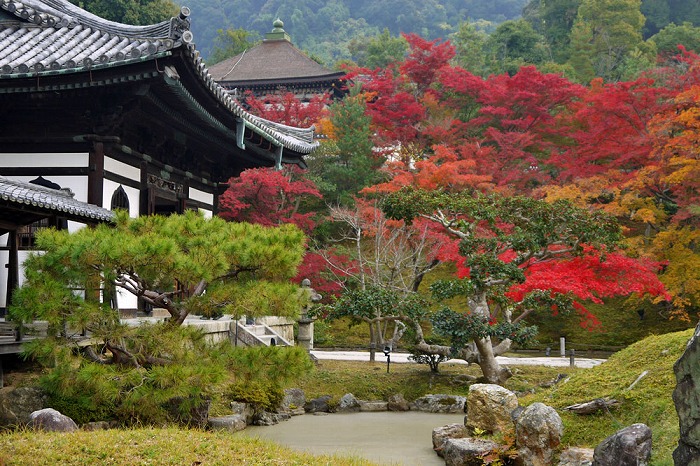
[
  {"x": 276, "y": 66},
  {"x": 99, "y": 115}
]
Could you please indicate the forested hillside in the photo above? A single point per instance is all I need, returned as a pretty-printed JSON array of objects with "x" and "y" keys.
[
  {"x": 325, "y": 27},
  {"x": 489, "y": 35}
]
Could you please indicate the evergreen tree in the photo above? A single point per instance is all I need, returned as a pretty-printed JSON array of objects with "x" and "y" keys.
[
  {"x": 346, "y": 163},
  {"x": 515, "y": 44},
  {"x": 378, "y": 51},
  {"x": 554, "y": 19},
  {"x": 604, "y": 35},
  {"x": 231, "y": 42},
  {"x": 670, "y": 37},
  {"x": 470, "y": 46},
  {"x": 657, "y": 14},
  {"x": 136, "y": 12},
  {"x": 154, "y": 373}
]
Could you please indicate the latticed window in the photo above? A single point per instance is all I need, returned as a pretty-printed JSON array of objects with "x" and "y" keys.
[
  {"x": 119, "y": 199},
  {"x": 25, "y": 234}
]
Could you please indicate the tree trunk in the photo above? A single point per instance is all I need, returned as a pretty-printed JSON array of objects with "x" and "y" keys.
[
  {"x": 493, "y": 372},
  {"x": 372, "y": 342}
]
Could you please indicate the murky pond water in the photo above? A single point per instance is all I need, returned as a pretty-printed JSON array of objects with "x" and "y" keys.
[{"x": 385, "y": 437}]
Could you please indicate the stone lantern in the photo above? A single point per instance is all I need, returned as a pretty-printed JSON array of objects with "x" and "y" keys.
[{"x": 305, "y": 338}]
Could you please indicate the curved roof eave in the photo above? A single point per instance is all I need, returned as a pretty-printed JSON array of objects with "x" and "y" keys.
[{"x": 72, "y": 40}]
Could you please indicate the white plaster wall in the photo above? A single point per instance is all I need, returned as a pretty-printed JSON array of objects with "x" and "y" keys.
[
  {"x": 77, "y": 184},
  {"x": 123, "y": 169},
  {"x": 44, "y": 160},
  {"x": 126, "y": 300},
  {"x": 201, "y": 196},
  {"x": 132, "y": 193}
]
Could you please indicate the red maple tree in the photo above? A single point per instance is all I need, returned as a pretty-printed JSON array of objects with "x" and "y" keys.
[{"x": 269, "y": 197}]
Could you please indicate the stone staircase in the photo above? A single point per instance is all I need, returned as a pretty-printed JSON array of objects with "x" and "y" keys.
[{"x": 257, "y": 335}]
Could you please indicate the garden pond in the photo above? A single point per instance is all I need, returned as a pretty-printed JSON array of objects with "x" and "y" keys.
[{"x": 397, "y": 438}]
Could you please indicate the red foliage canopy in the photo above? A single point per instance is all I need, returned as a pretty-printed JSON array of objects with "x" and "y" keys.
[{"x": 269, "y": 197}]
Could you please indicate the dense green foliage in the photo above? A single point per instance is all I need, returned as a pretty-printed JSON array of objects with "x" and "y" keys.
[
  {"x": 182, "y": 263},
  {"x": 345, "y": 164},
  {"x": 231, "y": 42},
  {"x": 136, "y": 12},
  {"x": 199, "y": 374}
]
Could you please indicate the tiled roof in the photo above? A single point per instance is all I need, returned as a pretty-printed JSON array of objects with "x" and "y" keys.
[
  {"x": 271, "y": 59},
  {"x": 53, "y": 200},
  {"x": 49, "y": 37},
  {"x": 52, "y": 35}
]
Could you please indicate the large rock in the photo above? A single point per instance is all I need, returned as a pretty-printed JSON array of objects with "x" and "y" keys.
[
  {"x": 17, "y": 404},
  {"x": 685, "y": 455},
  {"x": 397, "y": 403},
  {"x": 230, "y": 423},
  {"x": 50, "y": 420},
  {"x": 293, "y": 402},
  {"x": 266, "y": 418},
  {"x": 467, "y": 451},
  {"x": 318, "y": 405},
  {"x": 576, "y": 457},
  {"x": 348, "y": 404},
  {"x": 489, "y": 408},
  {"x": 538, "y": 433},
  {"x": 630, "y": 446},
  {"x": 243, "y": 409},
  {"x": 444, "y": 433},
  {"x": 439, "y": 404},
  {"x": 686, "y": 397},
  {"x": 373, "y": 406}
]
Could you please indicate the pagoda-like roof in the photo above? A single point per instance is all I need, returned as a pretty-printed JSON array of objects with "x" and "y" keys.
[
  {"x": 45, "y": 45},
  {"x": 274, "y": 60}
]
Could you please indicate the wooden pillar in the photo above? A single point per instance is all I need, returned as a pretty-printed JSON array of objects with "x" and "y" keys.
[
  {"x": 12, "y": 266},
  {"x": 183, "y": 198},
  {"x": 219, "y": 190},
  {"x": 96, "y": 175},
  {"x": 145, "y": 194}
]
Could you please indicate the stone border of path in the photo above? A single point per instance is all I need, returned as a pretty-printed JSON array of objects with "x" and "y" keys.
[{"x": 585, "y": 363}]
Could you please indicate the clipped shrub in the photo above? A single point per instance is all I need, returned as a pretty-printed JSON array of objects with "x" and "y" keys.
[
  {"x": 432, "y": 360},
  {"x": 262, "y": 396}
]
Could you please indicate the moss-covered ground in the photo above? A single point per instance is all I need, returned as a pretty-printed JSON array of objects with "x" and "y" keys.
[{"x": 649, "y": 402}]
